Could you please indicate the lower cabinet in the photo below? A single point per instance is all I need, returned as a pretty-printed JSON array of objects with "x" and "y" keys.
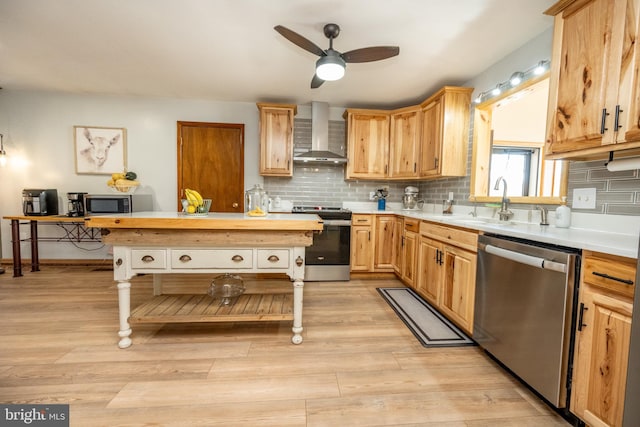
[
  {"x": 384, "y": 243},
  {"x": 361, "y": 243},
  {"x": 446, "y": 274},
  {"x": 409, "y": 251},
  {"x": 602, "y": 338},
  {"x": 372, "y": 243}
]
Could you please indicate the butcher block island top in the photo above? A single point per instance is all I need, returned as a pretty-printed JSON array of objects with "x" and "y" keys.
[
  {"x": 213, "y": 221},
  {"x": 170, "y": 242}
]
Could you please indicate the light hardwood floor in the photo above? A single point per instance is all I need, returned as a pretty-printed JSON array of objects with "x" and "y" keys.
[{"x": 358, "y": 365}]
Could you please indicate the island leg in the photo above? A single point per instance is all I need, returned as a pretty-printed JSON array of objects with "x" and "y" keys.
[
  {"x": 124, "y": 305},
  {"x": 298, "y": 287}
]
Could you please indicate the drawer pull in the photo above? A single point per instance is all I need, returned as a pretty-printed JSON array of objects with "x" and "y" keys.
[
  {"x": 237, "y": 258},
  {"x": 148, "y": 258},
  {"x": 617, "y": 279},
  {"x": 273, "y": 258},
  {"x": 185, "y": 258}
]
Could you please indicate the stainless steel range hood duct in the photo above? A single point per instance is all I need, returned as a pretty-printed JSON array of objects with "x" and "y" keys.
[{"x": 320, "y": 138}]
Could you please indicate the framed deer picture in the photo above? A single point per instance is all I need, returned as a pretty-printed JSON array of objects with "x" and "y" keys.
[{"x": 100, "y": 150}]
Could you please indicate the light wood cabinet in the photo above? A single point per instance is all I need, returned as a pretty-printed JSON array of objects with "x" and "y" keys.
[
  {"x": 602, "y": 338},
  {"x": 398, "y": 244},
  {"x": 361, "y": 243},
  {"x": 276, "y": 139},
  {"x": 445, "y": 133},
  {"x": 594, "y": 98},
  {"x": 447, "y": 271},
  {"x": 409, "y": 239},
  {"x": 367, "y": 143},
  {"x": 404, "y": 143},
  {"x": 384, "y": 242},
  {"x": 373, "y": 243},
  {"x": 429, "y": 140}
]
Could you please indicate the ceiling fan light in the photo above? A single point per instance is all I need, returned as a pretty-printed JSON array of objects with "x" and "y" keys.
[{"x": 330, "y": 68}]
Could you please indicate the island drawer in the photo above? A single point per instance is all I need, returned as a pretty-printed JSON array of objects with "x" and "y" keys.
[
  {"x": 273, "y": 258},
  {"x": 148, "y": 258},
  {"x": 211, "y": 258}
]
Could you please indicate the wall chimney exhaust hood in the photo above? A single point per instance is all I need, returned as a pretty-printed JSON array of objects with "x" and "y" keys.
[{"x": 320, "y": 138}]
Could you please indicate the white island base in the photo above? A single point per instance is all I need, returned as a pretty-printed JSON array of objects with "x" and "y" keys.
[{"x": 274, "y": 246}]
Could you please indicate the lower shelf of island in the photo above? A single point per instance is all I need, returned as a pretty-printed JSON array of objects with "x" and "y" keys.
[{"x": 189, "y": 308}]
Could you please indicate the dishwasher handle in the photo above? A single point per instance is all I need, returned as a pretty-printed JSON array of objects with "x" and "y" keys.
[{"x": 526, "y": 259}]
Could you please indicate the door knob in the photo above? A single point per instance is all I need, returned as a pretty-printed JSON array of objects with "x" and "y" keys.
[{"x": 235, "y": 204}]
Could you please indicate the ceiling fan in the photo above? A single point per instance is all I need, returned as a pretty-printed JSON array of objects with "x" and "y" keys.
[{"x": 332, "y": 63}]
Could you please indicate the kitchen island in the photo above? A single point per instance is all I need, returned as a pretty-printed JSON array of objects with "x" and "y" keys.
[{"x": 168, "y": 242}]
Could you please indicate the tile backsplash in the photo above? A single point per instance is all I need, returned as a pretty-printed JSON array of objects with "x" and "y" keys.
[{"x": 617, "y": 193}]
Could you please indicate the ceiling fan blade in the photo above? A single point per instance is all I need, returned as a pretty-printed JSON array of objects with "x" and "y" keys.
[
  {"x": 298, "y": 40},
  {"x": 368, "y": 54},
  {"x": 316, "y": 82}
]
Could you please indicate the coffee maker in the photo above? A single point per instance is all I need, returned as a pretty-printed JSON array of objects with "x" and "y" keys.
[
  {"x": 75, "y": 204},
  {"x": 39, "y": 202}
]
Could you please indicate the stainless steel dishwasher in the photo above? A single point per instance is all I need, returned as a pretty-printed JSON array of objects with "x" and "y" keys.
[{"x": 525, "y": 310}]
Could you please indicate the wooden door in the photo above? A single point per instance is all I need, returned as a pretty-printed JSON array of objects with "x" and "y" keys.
[
  {"x": 409, "y": 258},
  {"x": 458, "y": 287},
  {"x": 430, "y": 270},
  {"x": 431, "y": 146},
  {"x": 403, "y": 145},
  {"x": 602, "y": 352},
  {"x": 276, "y": 139},
  {"x": 385, "y": 228},
  {"x": 361, "y": 248},
  {"x": 398, "y": 244},
  {"x": 368, "y": 144},
  {"x": 586, "y": 83},
  {"x": 211, "y": 161}
]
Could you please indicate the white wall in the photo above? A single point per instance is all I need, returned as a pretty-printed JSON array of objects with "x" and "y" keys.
[{"x": 38, "y": 137}]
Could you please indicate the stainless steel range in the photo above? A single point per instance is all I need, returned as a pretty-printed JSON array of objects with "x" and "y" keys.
[{"x": 327, "y": 259}]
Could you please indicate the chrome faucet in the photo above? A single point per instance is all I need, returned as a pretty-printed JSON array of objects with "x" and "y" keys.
[
  {"x": 543, "y": 215},
  {"x": 504, "y": 211}
]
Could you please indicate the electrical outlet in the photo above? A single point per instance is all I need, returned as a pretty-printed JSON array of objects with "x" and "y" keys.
[
  {"x": 372, "y": 195},
  {"x": 584, "y": 198}
]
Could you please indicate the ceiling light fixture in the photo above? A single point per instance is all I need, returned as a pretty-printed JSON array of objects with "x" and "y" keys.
[
  {"x": 516, "y": 79},
  {"x": 3, "y": 154},
  {"x": 330, "y": 67}
]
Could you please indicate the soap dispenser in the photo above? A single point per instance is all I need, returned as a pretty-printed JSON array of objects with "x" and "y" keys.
[{"x": 563, "y": 214}]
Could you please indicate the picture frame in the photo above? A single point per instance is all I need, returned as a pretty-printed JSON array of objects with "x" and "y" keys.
[{"x": 100, "y": 150}]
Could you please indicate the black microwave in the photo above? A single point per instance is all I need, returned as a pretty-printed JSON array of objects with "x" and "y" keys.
[{"x": 117, "y": 203}]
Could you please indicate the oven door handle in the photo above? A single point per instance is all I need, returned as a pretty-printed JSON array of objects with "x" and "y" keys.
[
  {"x": 339, "y": 222},
  {"x": 526, "y": 259}
]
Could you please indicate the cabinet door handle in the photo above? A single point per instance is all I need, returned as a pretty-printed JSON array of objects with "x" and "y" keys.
[
  {"x": 147, "y": 258},
  {"x": 617, "y": 279},
  {"x": 603, "y": 121},
  {"x": 273, "y": 258},
  {"x": 616, "y": 120},
  {"x": 369, "y": 235},
  {"x": 237, "y": 258},
  {"x": 185, "y": 258},
  {"x": 581, "y": 316}
]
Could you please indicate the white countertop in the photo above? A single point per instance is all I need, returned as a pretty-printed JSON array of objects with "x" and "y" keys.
[{"x": 609, "y": 234}]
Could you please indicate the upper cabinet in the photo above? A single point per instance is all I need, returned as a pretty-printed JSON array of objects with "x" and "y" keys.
[
  {"x": 445, "y": 133},
  {"x": 404, "y": 143},
  {"x": 367, "y": 143},
  {"x": 594, "y": 98},
  {"x": 423, "y": 141},
  {"x": 276, "y": 139}
]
